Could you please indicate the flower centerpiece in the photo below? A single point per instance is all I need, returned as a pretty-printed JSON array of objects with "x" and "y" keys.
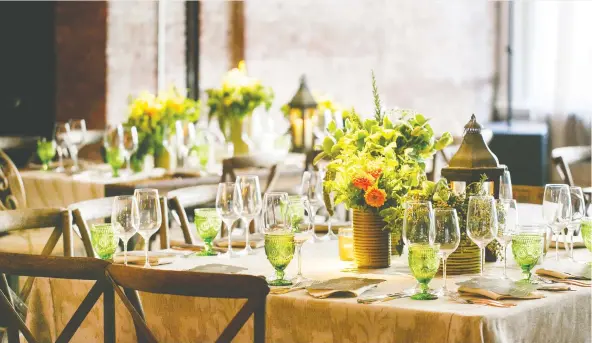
[
  {"x": 373, "y": 165},
  {"x": 234, "y": 101},
  {"x": 153, "y": 116}
]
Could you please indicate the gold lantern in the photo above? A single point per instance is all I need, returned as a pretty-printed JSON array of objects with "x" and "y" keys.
[
  {"x": 474, "y": 159},
  {"x": 303, "y": 112}
]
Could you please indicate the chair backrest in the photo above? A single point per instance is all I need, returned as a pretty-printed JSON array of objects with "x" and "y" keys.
[
  {"x": 78, "y": 268},
  {"x": 563, "y": 157},
  {"x": 189, "y": 197},
  {"x": 12, "y": 190},
  {"x": 207, "y": 285},
  {"x": 528, "y": 194},
  {"x": 230, "y": 165}
]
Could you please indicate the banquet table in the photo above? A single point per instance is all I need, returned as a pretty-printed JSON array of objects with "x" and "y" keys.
[{"x": 298, "y": 317}]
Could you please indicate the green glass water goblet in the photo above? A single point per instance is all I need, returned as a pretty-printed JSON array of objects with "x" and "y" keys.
[
  {"x": 586, "y": 232},
  {"x": 116, "y": 159},
  {"x": 279, "y": 248},
  {"x": 424, "y": 260},
  {"x": 104, "y": 240},
  {"x": 527, "y": 248},
  {"x": 46, "y": 150},
  {"x": 208, "y": 224}
]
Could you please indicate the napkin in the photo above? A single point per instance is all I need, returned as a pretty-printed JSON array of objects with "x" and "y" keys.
[
  {"x": 499, "y": 289},
  {"x": 565, "y": 270},
  {"x": 140, "y": 260},
  {"x": 255, "y": 241},
  {"x": 496, "y": 296},
  {"x": 218, "y": 268},
  {"x": 344, "y": 287}
]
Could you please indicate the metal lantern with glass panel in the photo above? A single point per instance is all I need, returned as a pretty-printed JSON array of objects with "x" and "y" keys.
[
  {"x": 303, "y": 113},
  {"x": 472, "y": 160}
]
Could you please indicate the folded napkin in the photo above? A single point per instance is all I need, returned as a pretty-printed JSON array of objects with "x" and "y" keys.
[
  {"x": 577, "y": 244},
  {"x": 255, "y": 241},
  {"x": 218, "y": 268},
  {"x": 343, "y": 287},
  {"x": 499, "y": 289},
  {"x": 141, "y": 260},
  {"x": 565, "y": 270},
  {"x": 189, "y": 248},
  {"x": 496, "y": 296}
]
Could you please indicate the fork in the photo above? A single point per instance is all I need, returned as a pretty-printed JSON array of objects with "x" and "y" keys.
[{"x": 382, "y": 298}]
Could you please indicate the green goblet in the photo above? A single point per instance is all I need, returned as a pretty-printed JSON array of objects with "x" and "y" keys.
[
  {"x": 279, "y": 248},
  {"x": 104, "y": 240},
  {"x": 46, "y": 150},
  {"x": 527, "y": 248},
  {"x": 207, "y": 223},
  {"x": 116, "y": 159},
  {"x": 424, "y": 260}
]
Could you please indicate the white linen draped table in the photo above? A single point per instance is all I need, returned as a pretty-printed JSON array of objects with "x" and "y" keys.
[{"x": 297, "y": 317}]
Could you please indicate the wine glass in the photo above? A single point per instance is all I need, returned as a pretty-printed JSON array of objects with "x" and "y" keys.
[
  {"x": 418, "y": 223},
  {"x": 61, "y": 137},
  {"x": 447, "y": 235},
  {"x": 125, "y": 219},
  {"x": 114, "y": 150},
  {"x": 279, "y": 236},
  {"x": 527, "y": 248},
  {"x": 557, "y": 210},
  {"x": 229, "y": 206},
  {"x": 302, "y": 231},
  {"x": 482, "y": 223},
  {"x": 507, "y": 216},
  {"x": 76, "y": 135},
  {"x": 578, "y": 211},
  {"x": 150, "y": 216},
  {"x": 312, "y": 195},
  {"x": 505, "y": 191},
  {"x": 185, "y": 138},
  {"x": 251, "y": 195},
  {"x": 130, "y": 144}
]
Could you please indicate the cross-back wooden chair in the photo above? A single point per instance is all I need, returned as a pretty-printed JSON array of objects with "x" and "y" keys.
[
  {"x": 206, "y": 285},
  {"x": 100, "y": 209},
  {"x": 12, "y": 190},
  {"x": 230, "y": 165},
  {"x": 565, "y": 156},
  {"x": 190, "y": 197},
  {"x": 74, "y": 268},
  {"x": 528, "y": 194}
]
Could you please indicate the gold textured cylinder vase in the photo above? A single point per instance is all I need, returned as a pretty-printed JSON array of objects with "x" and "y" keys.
[{"x": 372, "y": 244}]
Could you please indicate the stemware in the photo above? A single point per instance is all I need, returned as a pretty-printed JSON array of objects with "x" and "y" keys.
[
  {"x": 279, "y": 236},
  {"x": 130, "y": 144},
  {"x": 312, "y": 195},
  {"x": 229, "y": 206},
  {"x": 251, "y": 200},
  {"x": 586, "y": 229},
  {"x": 207, "y": 223},
  {"x": 104, "y": 240},
  {"x": 61, "y": 137},
  {"x": 482, "y": 223},
  {"x": 46, "y": 150},
  {"x": 76, "y": 135},
  {"x": 125, "y": 219},
  {"x": 527, "y": 248},
  {"x": 507, "y": 216},
  {"x": 418, "y": 222},
  {"x": 149, "y": 214},
  {"x": 114, "y": 148},
  {"x": 578, "y": 211},
  {"x": 557, "y": 210},
  {"x": 447, "y": 235},
  {"x": 185, "y": 138},
  {"x": 302, "y": 231},
  {"x": 505, "y": 191}
]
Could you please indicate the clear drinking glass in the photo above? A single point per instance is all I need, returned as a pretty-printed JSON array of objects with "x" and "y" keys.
[
  {"x": 578, "y": 211},
  {"x": 131, "y": 144},
  {"x": 279, "y": 235},
  {"x": 418, "y": 223},
  {"x": 527, "y": 248},
  {"x": 312, "y": 194},
  {"x": 447, "y": 235},
  {"x": 125, "y": 219},
  {"x": 302, "y": 231},
  {"x": 185, "y": 138},
  {"x": 76, "y": 136},
  {"x": 506, "y": 186},
  {"x": 114, "y": 149},
  {"x": 61, "y": 137},
  {"x": 251, "y": 199},
  {"x": 150, "y": 216},
  {"x": 229, "y": 205},
  {"x": 557, "y": 210},
  {"x": 507, "y": 217},
  {"x": 482, "y": 223}
]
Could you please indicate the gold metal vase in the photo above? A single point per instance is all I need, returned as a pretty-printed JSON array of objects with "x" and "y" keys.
[{"x": 372, "y": 244}]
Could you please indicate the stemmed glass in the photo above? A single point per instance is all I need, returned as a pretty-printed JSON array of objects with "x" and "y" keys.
[
  {"x": 557, "y": 210},
  {"x": 114, "y": 150},
  {"x": 229, "y": 205},
  {"x": 131, "y": 144},
  {"x": 419, "y": 234},
  {"x": 279, "y": 237},
  {"x": 185, "y": 136},
  {"x": 302, "y": 232},
  {"x": 482, "y": 223},
  {"x": 505, "y": 191},
  {"x": 207, "y": 222},
  {"x": 61, "y": 137},
  {"x": 578, "y": 212},
  {"x": 46, "y": 151},
  {"x": 251, "y": 195},
  {"x": 312, "y": 194},
  {"x": 150, "y": 216},
  {"x": 76, "y": 135},
  {"x": 125, "y": 219},
  {"x": 507, "y": 216},
  {"x": 447, "y": 235},
  {"x": 527, "y": 248}
]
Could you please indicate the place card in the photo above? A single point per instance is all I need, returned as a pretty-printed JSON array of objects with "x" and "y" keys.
[
  {"x": 499, "y": 289},
  {"x": 343, "y": 287},
  {"x": 218, "y": 268}
]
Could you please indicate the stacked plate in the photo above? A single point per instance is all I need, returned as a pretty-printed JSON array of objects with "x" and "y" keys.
[
  {"x": 465, "y": 260},
  {"x": 372, "y": 244}
]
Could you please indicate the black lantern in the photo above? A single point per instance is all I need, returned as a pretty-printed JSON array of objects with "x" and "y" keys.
[
  {"x": 474, "y": 159},
  {"x": 303, "y": 112}
]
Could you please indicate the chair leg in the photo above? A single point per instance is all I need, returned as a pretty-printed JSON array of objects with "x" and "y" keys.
[
  {"x": 259, "y": 323},
  {"x": 109, "y": 313}
]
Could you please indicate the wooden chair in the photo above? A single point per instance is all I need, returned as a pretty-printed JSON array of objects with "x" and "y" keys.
[
  {"x": 74, "y": 268},
  {"x": 190, "y": 197},
  {"x": 12, "y": 190},
  {"x": 100, "y": 209},
  {"x": 565, "y": 156},
  {"x": 528, "y": 194},
  {"x": 207, "y": 285},
  {"x": 230, "y": 165}
]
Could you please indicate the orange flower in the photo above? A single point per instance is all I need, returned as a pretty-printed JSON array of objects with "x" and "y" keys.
[
  {"x": 375, "y": 172},
  {"x": 363, "y": 180},
  {"x": 375, "y": 197}
]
